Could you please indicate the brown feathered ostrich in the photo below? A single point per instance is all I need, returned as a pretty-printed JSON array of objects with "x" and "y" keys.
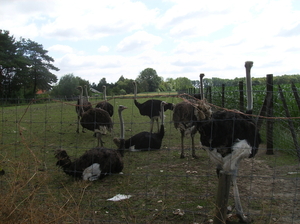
[
  {"x": 98, "y": 121},
  {"x": 229, "y": 137},
  {"x": 186, "y": 114},
  {"x": 95, "y": 163},
  {"x": 150, "y": 108},
  {"x": 105, "y": 105},
  {"x": 146, "y": 141},
  {"x": 82, "y": 105}
]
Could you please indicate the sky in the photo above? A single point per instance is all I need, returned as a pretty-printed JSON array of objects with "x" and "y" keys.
[{"x": 108, "y": 39}]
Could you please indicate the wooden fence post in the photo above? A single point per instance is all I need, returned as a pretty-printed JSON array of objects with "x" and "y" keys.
[
  {"x": 296, "y": 95},
  {"x": 270, "y": 122},
  {"x": 222, "y": 198},
  {"x": 208, "y": 94}
]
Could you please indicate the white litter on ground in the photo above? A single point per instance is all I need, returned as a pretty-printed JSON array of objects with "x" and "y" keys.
[{"x": 119, "y": 197}]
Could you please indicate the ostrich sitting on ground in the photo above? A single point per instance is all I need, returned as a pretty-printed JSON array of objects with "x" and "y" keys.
[
  {"x": 150, "y": 108},
  {"x": 98, "y": 121},
  {"x": 106, "y": 105},
  {"x": 186, "y": 114},
  {"x": 229, "y": 137},
  {"x": 95, "y": 163},
  {"x": 82, "y": 105},
  {"x": 145, "y": 141}
]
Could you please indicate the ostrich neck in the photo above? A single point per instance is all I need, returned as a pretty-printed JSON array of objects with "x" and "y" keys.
[
  {"x": 86, "y": 93},
  {"x": 162, "y": 109},
  {"x": 81, "y": 98},
  {"x": 248, "y": 66},
  {"x": 104, "y": 94}
]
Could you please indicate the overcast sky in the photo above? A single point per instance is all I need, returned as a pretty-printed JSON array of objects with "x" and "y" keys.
[{"x": 96, "y": 39}]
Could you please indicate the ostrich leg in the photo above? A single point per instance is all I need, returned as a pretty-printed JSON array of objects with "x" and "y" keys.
[
  {"x": 193, "y": 147},
  {"x": 182, "y": 148},
  {"x": 237, "y": 201}
]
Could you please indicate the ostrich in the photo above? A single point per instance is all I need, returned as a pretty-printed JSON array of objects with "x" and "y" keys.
[
  {"x": 106, "y": 105},
  {"x": 150, "y": 108},
  {"x": 82, "y": 105},
  {"x": 86, "y": 92},
  {"x": 229, "y": 137},
  {"x": 95, "y": 163},
  {"x": 186, "y": 114},
  {"x": 96, "y": 119},
  {"x": 145, "y": 141}
]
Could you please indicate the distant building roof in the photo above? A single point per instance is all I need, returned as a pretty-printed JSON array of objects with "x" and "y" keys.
[{"x": 94, "y": 90}]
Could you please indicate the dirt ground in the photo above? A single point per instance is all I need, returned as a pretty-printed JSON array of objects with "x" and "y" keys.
[{"x": 270, "y": 192}]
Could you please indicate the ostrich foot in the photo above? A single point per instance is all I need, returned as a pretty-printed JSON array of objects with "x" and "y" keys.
[{"x": 244, "y": 219}]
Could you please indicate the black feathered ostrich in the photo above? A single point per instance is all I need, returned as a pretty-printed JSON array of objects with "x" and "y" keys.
[
  {"x": 145, "y": 141},
  {"x": 186, "y": 114},
  {"x": 98, "y": 121},
  {"x": 229, "y": 137},
  {"x": 82, "y": 105},
  {"x": 106, "y": 105},
  {"x": 150, "y": 108},
  {"x": 95, "y": 163}
]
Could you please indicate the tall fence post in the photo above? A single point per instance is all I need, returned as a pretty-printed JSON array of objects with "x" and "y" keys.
[
  {"x": 222, "y": 198},
  {"x": 208, "y": 94},
  {"x": 270, "y": 122},
  {"x": 296, "y": 95}
]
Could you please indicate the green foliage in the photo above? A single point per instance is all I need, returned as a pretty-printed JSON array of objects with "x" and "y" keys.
[
  {"x": 148, "y": 80},
  {"x": 182, "y": 83},
  {"x": 24, "y": 64}
]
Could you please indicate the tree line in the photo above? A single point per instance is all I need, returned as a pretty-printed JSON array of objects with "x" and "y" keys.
[{"x": 26, "y": 67}]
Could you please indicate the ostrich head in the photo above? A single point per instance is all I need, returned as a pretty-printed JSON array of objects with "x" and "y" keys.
[{"x": 63, "y": 158}]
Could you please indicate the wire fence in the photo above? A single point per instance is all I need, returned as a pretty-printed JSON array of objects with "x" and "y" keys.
[{"x": 157, "y": 186}]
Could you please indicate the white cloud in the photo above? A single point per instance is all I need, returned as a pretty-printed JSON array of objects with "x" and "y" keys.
[
  {"x": 140, "y": 40},
  {"x": 103, "y": 49},
  {"x": 61, "y": 49}
]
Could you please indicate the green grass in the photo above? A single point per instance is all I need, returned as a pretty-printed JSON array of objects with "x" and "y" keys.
[{"x": 34, "y": 190}]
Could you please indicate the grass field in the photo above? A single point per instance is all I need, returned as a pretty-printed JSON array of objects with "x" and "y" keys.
[{"x": 34, "y": 190}]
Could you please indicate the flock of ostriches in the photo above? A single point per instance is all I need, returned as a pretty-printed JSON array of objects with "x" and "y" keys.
[{"x": 227, "y": 136}]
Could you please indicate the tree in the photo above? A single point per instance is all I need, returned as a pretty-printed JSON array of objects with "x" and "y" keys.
[
  {"x": 40, "y": 65},
  {"x": 183, "y": 83},
  {"x": 66, "y": 87},
  {"x": 148, "y": 80},
  {"x": 10, "y": 63}
]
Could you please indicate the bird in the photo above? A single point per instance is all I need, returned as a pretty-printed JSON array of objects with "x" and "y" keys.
[
  {"x": 95, "y": 163},
  {"x": 228, "y": 137},
  {"x": 150, "y": 108},
  {"x": 186, "y": 114},
  {"x": 106, "y": 105},
  {"x": 82, "y": 105},
  {"x": 145, "y": 141},
  {"x": 98, "y": 121},
  {"x": 86, "y": 92}
]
